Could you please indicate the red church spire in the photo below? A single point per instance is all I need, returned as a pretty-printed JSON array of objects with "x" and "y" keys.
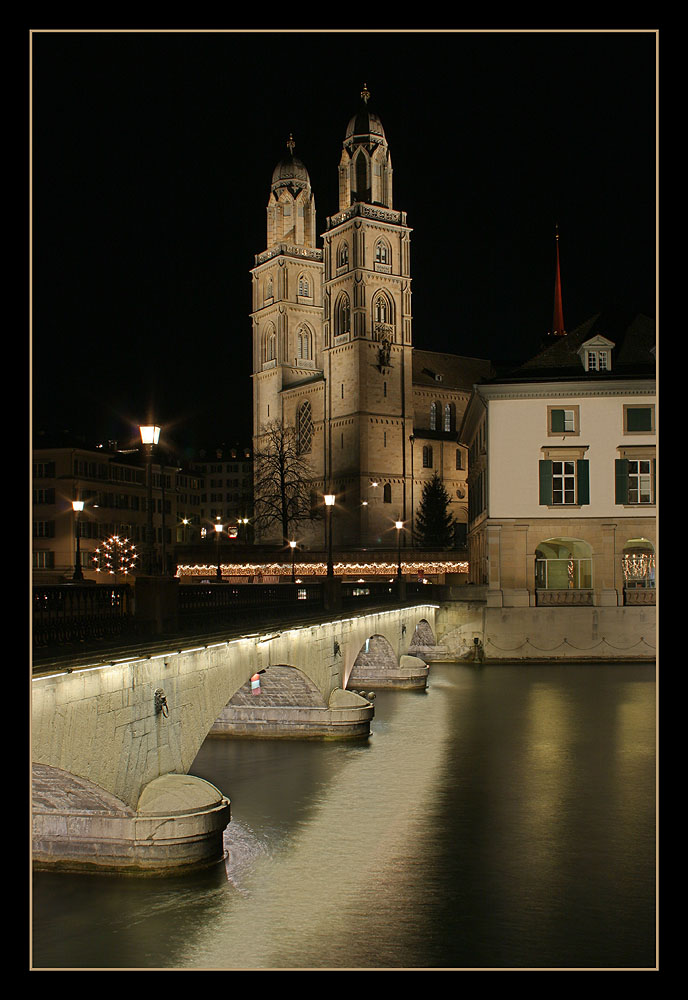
[{"x": 558, "y": 329}]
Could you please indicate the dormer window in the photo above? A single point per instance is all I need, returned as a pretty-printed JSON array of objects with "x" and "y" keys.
[
  {"x": 597, "y": 361},
  {"x": 596, "y": 354}
]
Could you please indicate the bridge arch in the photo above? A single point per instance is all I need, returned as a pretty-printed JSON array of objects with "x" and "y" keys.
[{"x": 104, "y": 722}]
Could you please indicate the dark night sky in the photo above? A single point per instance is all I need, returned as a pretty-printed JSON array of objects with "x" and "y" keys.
[{"x": 152, "y": 160}]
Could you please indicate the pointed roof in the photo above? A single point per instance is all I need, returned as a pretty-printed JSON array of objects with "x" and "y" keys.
[
  {"x": 558, "y": 328},
  {"x": 365, "y": 126}
]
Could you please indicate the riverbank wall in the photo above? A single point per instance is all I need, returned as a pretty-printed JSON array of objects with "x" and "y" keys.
[{"x": 537, "y": 634}]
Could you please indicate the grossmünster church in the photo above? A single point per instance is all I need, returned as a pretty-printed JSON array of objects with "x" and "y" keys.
[{"x": 333, "y": 354}]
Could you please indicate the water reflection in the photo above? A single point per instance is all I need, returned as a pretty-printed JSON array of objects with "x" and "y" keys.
[{"x": 504, "y": 818}]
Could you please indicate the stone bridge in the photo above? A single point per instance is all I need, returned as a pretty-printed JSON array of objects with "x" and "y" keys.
[{"x": 113, "y": 742}]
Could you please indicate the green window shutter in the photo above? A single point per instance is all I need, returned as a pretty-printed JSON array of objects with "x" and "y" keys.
[
  {"x": 583, "y": 480},
  {"x": 557, "y": 421},
  {"x": 621, "y": 480},
  {"x": 639, "y": 419},
  {"x": 546, "y": 482}
]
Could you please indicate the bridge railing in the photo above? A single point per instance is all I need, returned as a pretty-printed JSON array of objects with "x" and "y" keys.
[
  {"x": 202, "y": 603},
  {"x": 73, "y": 613}
]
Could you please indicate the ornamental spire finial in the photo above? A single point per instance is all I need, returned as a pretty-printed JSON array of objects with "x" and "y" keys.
[
  {"x": 365, "y": 93},
  {"x": 290, "y": 143}
]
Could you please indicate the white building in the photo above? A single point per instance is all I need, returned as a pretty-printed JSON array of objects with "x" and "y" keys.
[{"x": 562, "y": 472}]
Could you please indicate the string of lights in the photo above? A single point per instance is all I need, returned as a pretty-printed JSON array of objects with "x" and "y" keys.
[{"x": 320, "y": 569}]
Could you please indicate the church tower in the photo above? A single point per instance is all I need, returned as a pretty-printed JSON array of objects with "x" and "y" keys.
[
  {"x": 367, "y": 341},
  {"x": 287, "y": 303}
]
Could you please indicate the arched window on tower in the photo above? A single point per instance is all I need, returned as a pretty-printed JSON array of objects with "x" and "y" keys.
[
  {"x": 304, "y": 285},
  {"x": 382, "y": 254},
  {"x": 342, "y": 315},
  {"x": 304, "y": 343},
  {"x": 361, "y": 177},
  {"x": 269, "y": 344},
  {"x": 380, "y": 309},
  {"x": 387, "y": 493},
  {"x": 268, "y": 288},
  {"x": 304, "y": 428},
  {"x": 343, "y": 254}
]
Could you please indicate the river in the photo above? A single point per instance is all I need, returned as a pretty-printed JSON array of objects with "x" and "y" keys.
[{"x": 503, "y": 819}]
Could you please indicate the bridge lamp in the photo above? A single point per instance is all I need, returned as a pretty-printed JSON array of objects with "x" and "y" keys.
[
  {"x": 329, "y": 504},
  {"x": 150, "y": 435},
  {"x": 77, "y": 507},
  {"x": 292, "y": 546},
  {"x": 218, "y": 531},
  {"x": 399, "y": 525}
]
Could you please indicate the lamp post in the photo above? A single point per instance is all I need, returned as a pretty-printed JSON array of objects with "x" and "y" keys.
[
  {"x": 150, "y": 435},
  {"x": 329, "y": 504},
  {"x": 292, "y": 546},
  {"x": 399, "y": 525},
  {"x": 218, "y": 531},
  {"x": 413, "y": 520},
  {"x": 77, "y": 507}
]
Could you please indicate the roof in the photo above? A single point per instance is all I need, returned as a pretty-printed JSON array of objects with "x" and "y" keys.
[
  {"x": 633, "y": 336},
  {"x": 455, "y": 372}
]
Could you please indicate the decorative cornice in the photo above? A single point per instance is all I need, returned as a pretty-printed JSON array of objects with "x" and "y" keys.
[
  {"x": 287, "y": 250},
  {"x": 566, "y": 390}
]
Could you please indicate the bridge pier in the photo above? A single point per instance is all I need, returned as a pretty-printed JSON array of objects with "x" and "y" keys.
[{"x": 176, "y": 827}]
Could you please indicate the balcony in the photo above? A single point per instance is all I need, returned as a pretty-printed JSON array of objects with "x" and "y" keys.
[{"x": 564, "y": 598}]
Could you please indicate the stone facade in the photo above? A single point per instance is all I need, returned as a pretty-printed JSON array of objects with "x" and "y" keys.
[{"x": 333, "y": 353}]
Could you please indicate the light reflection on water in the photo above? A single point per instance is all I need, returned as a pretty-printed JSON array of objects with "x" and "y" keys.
[{"x": 504, "y": 818}]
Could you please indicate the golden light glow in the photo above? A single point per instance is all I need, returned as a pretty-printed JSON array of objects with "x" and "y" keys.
[
  {"x": 150, "y": 435},
  {"x": 356, "y": 569}
]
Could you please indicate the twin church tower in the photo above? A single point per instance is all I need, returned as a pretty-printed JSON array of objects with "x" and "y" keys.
[{"x": 333, "y": 352}]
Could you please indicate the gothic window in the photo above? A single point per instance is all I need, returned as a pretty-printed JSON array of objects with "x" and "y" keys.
[
  {"x": 270, "y": 344},
  {"x": 304, "y": 428},
  {"x": 380, "y": 309},
  {"x": 268, "y": 288},
  {"x": 305, "y": 345},
  {"x": 382, "y": 255},
  {"x": 343, "y": 254},
  {"x": 387, "y": 493},
  {"x": 342, "y": 316},
  {"x": 427, "y": 456},
  {"x": 361, "y": 177},
  {"x": 304, "y": 285},
  {"x": 448, "y": 417},
  {"x": 433, "y": 416}
]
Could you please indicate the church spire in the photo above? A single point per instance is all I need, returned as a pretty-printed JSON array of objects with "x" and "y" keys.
[{"x": 558, "y": 329}]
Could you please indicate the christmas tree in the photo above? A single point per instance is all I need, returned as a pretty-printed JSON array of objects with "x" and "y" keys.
[{"x": 434, "y": 522}]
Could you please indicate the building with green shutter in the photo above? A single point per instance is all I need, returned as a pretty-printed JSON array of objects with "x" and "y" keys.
[{"x": 562, "y": 472}]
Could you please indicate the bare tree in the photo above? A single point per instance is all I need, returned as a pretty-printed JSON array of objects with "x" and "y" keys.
[{"x": 282, "y": 486}]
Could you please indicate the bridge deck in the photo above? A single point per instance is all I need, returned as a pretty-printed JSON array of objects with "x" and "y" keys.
[{"x": 78, "y": 654}]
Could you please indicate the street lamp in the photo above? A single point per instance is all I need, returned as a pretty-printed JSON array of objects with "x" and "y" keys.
[
  {"x": 218, "y": 531},
  {"x": 77, "y": 507},
  {"x": 292, "y": 546},
  {"x": 399, "y": 525},
  {"x": 329, "y": 504},
  {"x": 150, "y": 435}
]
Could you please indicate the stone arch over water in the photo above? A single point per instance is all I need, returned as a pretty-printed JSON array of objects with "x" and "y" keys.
[{"x": 422, "y": 637}]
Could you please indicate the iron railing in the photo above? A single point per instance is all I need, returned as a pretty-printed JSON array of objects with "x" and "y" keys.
[{"x": 73, "y": 613}]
